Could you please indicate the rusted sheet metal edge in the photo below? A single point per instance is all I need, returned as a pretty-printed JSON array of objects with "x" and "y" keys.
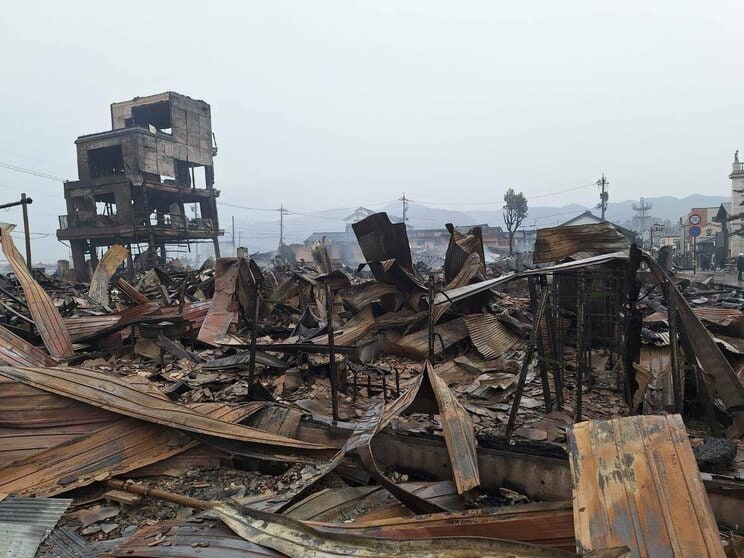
[
  {"x": 43, "y": 311},
  {"x": 105, "y": 269},
  {"x": 224, "y": 308},
  {"x": 716, "y": 370},
  {"x": 115, "y": 449},
  {"x": 295, "y": 538},
  {"x": 636, "y": 483},
  {"x": 131, "y": 291},
  {"x": 458, "y": 433},
  {"x": 117, "y": 395},
  {"x": 489, "y": 335},
  {"x": 19, "y": 352},
  {"x": 187, "y": 539}
]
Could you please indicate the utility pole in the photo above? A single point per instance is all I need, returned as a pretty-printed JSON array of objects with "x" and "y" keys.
[
  {"x": 23, "y": 203},
  {"x": 233, "y": 235},
  {"x": 282, "y": 212},
  {"x": 603, "y": 196},
  {"x": 405, "y": 201}
]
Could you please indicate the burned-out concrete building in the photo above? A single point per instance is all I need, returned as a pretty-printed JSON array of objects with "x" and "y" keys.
[{"x": 139, "y": 181}]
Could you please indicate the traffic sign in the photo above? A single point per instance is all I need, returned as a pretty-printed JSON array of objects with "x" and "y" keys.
[
  {"x": 695, "y": 219},
  {"x": 695, "y": 231}
]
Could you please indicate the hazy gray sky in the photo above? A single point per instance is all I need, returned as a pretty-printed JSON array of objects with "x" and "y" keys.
[{"x": 346, "y": 103}]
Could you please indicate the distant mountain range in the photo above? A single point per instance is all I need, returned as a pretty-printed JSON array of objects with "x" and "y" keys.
[{"x": 264, "y": 235}]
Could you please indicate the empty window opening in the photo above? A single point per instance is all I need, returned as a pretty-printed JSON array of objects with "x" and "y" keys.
[
  {"x": 105, "y": 161},
  {"x": 156, "y": 117}
]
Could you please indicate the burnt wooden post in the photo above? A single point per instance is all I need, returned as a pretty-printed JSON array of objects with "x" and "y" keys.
[
  {"x": 580, "y": 360},
  {"x": 674, "y": 342},
  {"x": 553, "y": 342},
  {"x": 431, "y": 317},
  {"x": 540, "y": 348},
  {"x": 332, "y": 372},
  {"x": 526, "y": 365},
  {"x": 24, "y": 204},
  {"x": 254, "y": 335}
]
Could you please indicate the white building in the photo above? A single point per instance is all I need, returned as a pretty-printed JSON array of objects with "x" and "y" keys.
[{"x": 736, "y": 242}]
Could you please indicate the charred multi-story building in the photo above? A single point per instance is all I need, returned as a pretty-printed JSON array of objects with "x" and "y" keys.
[{"x": 142, "y": 182}]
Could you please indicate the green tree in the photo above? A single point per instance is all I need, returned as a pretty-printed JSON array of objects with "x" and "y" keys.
[{"x": 515, "y": 210}]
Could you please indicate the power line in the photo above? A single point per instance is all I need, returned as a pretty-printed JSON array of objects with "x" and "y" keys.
[
  {"x": 32, "y": 172},
  {"x": 34, "y": 158}
]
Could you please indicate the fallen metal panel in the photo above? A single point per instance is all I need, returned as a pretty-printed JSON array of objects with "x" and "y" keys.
[
  {"x": 382, "y": 240},
  {"x": 107, "y": 266},
  {"x": 416, "y": 345},
  {"x": 636, "y": 483},
  {"x": 45, "y": 314},
  {"x": 65, "y": 543},
  {"x": 544, "y": 524},
  {"x": 25, "y": 523},
  {"x": 117, "y": 395},
  {"x": 296, "y": 539},
  {"x": 223, "y": 311},
  {"x": 129, "y": 290},
  {"x": 716, "y": 370},
  {"x": 489, "y": 335},
  {"x": 364, "y": 294},
  {"x": 471, "y": 268},
  {"x": 243, "y": 358},
  {"x": 184, "y": 539},
  {"x": 19, "y": 352},
  {"x": 24, "y": 406},
  {"x": 556, "y": 243},
  {"x": 119, "y": 448},
  {"x": 458, "y": 433},
  {"x": 461, "y": 246}
]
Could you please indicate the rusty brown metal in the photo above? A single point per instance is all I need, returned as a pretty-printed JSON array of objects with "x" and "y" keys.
[
  {"x": 129, "y": 290},
  {"x": 45, "y": 314},
  {"x": 118, "y": 395},
  {"x": 381, "y": 240},
  {"x": 223, "y": 311},
  {"x": 489, "y": 335},
  {"x": 544, "y": 524},
  {"x": 188, "y": 539},
  {"x": 416, "y": 345},
  {"x": 105, "y": 269},
  {"x": 556, "y": 243},
  {"x": 716, "y": 371},
  {"x": 636, "y": 483},
  {"x": 118, "y": 448},
  {"x": 461, "y": 246},
  {"x": 295, "y": 538},
  {"x": 19, "y": 352}
]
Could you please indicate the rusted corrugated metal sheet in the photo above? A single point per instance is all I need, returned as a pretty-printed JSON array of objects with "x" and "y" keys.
[
  {"x": 106, "y": 267},
  {"x": 116, "y": 449},
  {"x": 223, "y": 311},
  {"x": 382, "y": 240},
  {"x": 188, "y": 539},
  {"x": 23, "y": 406},
  {"x": 19, "y": 352},
  {"x": 716, "y": 370},
  {"x": 544, "y": 524},
  {"x": 461, "y": 246},
  {"x": 129, "y": 290},
  {"x": 416, "y": 345},
  {"x": 636, "y": 483},
  {"x": 471, "y": 269},
  {"x": 45, "y": 314},
  {"x": 556, "y": 243},
  {"x": 489, "y": 335},
  {"x": 118, "y": 395},
  {"x": 364, "y": 294},
  {"x": 295, "y": 538}
]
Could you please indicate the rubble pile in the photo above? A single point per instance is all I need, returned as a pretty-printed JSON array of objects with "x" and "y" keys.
[{"x": 235, "y": 410}]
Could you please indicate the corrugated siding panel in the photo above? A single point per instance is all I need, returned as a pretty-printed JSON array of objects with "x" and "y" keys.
[
  {"x": 491, "y": 337},
  {"x": 636, "y": 483},
  {"x": 556, "y": 243}
]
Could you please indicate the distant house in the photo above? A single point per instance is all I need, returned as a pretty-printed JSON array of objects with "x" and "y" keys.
[{"x": 588, "y": 218}]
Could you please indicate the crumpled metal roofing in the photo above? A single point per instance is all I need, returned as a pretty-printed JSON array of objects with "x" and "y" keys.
[
  {"x": 25, "y": 523},
  {"x": 223, "y": 311},
  {"x": 106, "y": 267},
  {"x": 556, "y": 243},
  {"x": 461, "y": 246},
  {"x": 489, "y": 335},
  {"x": 45, "y": 314},
  {"x": 118, "y": 395},
  {"x": 380, "y": 240}
]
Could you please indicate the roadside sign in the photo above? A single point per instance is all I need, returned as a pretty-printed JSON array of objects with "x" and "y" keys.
[
  {"x": 695, "y": 219},
  {"x": 695, "y": 231}
]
